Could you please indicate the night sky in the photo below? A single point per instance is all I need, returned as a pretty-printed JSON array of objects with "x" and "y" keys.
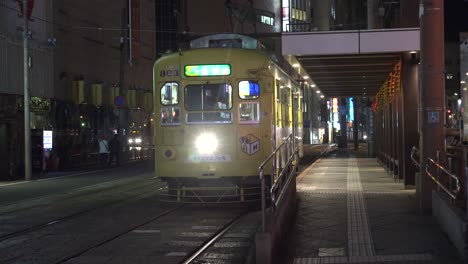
[{"x": 456, "y": 13}]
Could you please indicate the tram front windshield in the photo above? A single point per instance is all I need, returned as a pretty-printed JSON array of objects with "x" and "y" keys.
[{"x": 214, "y": 98}]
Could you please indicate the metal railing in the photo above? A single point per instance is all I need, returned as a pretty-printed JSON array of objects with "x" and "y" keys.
[
  {"x": 284, "y": 161},
  {"x": 452, "y": 193},
  {"x": 414, "y": 152},
  {"x": 449, "y": 190}
]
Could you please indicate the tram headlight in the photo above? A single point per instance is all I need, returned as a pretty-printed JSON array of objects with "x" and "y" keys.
[
  {"x": 206, "y": 143},
  {"x": 135, "y": 141}
]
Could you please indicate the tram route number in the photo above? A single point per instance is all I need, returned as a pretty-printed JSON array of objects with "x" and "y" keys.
[{"x": 168, "y": 73}]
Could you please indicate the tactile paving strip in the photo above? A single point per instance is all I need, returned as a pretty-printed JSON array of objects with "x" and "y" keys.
[
  {"x": 408, "y": 258},
  {"x": 359, "y": 235}
]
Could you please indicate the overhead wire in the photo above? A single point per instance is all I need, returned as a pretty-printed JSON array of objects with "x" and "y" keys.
[{"x": 98, "y": 28}]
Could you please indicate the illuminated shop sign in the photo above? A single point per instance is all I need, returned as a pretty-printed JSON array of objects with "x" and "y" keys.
[
  {"x": 47, "y": 139},
  {"x": 351, "y": 109},
  {"x": 335, "y": 105},
  {"x": 207, "y": 70}
]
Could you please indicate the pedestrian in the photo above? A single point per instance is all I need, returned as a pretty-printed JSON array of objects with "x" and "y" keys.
[
  {"x": 103, "y": 151},
  {"x": 114, "y": 146}
]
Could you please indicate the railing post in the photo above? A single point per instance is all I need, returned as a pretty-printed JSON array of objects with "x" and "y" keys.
[
  {"x": 280, "y": 160},
  {"x": 262, "y": 179},
  {"x": 273, "y": 169},
  {"x": 450, "y": 170},
  {"x": 465, "y": 174},
  {"x": 438, "y": 170}
]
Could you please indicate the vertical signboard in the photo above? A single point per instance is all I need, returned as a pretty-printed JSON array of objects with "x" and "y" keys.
[
  {"x": 30, "y": 7},
  {"x": 285, "y": 15},
  {"x": 47, "y": 139},
  {"x": 135, "y": 24}
]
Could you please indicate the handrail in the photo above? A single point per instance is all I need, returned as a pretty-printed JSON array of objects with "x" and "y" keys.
[
  {"x": 274, "y": 152},
  {"x": 450, "y": 192},
  {"x": 414, "y": 150},
  {"x": 276, "y": 185},
  {"x": 453, "y": 176}
]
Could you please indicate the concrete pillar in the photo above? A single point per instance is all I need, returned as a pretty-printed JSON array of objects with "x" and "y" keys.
[
  {"x": 381, "y": 116},
  {"x": 355, "y": 19},
  {"x": 371, "y": 132},
  {"x": 343, "y": 141},
  {"x": 377, "y": 142},
  {"x": 399, "y": 143},
  {"x": 392, "y": 138},
  {"x": 410, "y": 102},
  {"x": 386, "y": 138},
  {"x": 395, "y": 137},
  {"x": 432, "y": 92},
  {"x": 409, "y": 13},
  {"x": 371, "y": 13},
  {"x": 321, "y": 15}
]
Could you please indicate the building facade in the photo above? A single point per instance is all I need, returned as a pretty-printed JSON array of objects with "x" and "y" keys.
[
  {"x": 11, "y": 78},
  {"x": 90, "y": 75}
]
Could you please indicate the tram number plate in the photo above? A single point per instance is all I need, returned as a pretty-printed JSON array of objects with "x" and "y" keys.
[{"x": 210, "y": 158}]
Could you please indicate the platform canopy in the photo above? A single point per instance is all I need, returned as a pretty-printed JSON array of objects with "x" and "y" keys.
[{"x": 348, "y": 63}]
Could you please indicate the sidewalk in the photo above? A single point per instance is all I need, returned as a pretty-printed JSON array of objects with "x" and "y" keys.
[{"x": 351, "y": 211}]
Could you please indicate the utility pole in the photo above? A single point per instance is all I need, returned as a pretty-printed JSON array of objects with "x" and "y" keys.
[
  {"x": 27, "y": 128},
  {"x": 123, "y": 112}
]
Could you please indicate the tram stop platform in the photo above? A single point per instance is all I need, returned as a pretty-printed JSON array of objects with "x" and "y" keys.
[{"x": 351, "y": 211}]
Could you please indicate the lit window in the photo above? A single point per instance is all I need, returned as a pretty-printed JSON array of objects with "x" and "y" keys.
[
  {"x": 170, "y": 116},
  {"x": 249, "y": 113},
  {"x": 169, "y": 93},
  {"x": 267, "y": 20},
  {"x": 249, "y": 90}
]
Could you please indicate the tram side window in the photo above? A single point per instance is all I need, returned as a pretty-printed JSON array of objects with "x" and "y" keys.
[
  {"x": 249, "y": 113},
  {"x": 169, "y": 93},
  {"x": 170, "y": 116},
  {"x": 249, "y": 90}
]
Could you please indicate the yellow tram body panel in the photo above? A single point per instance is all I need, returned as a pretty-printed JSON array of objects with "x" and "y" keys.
[{"x": 245, "y": 130}]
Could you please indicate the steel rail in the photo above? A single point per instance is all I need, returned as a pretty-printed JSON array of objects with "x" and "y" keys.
[
  {"x": 70, "y": 216},
  {"x": 120, "y": 234},
  {"x": 212, "y": 240}
]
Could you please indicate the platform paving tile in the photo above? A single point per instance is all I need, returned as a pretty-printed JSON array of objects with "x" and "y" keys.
[{"x": 351, "y": 211}]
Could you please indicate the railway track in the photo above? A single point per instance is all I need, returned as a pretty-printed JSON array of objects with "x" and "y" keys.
[
  {"x": 91, "y": 247},
  {"x": 82, "y": 235},
  {"x": 73, "y": 194},
  {"x": 234, "y": 243},
  {"x": 72, "y": 216}
]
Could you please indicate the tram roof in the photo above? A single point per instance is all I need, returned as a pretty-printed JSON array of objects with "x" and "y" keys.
[{"x": 227, "y": 40}]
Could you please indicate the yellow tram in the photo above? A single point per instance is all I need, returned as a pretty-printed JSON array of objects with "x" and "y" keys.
[{"x": 221, "y": 108}]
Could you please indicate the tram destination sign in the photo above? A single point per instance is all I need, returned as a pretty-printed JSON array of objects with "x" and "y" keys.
[{"x": 207, "y": 70}]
